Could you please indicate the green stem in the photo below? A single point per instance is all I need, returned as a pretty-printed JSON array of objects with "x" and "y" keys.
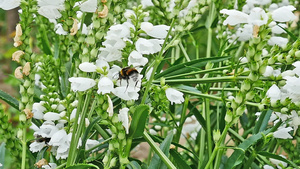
[
  {"x": 156, "y": 63},
  {"x": 184, "y": 52},
  {"x": 208, "y": 126},
  {"x": 158, "y": 151},
  {"x": 217, "y": 146},
  {"x": 239, "y": 51},
  {"x": 209, "y": 40},
  {"x": 101, "y": 131},
  {"x": 182, "y": 119},
  {"x": 201, "y": 148},
  {"x": 24, "y": 146}
]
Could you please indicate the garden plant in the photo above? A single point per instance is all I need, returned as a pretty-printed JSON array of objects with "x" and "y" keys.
[{"x": 205, "y": 84}]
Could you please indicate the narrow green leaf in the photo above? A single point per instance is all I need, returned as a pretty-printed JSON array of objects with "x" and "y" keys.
[
  {"x": 138, "y": 121},
  {"x": 294, "y": 37},
  {"x": 156, "y": 162},
  {"x": 82, "y": 166},
  {"x": 189, "y": 66},
  {"x": 197, "y": 114},
  {"x": 133, "y": 165},
  {"x": 238, "y": 155},
  {"x": 277, "y": 157},
  {"x": 9, "y": 99},
  {"x": 179, "y": 161},
  {"x": 262, "y": 122},
  {"x": 45, "y": 42}
]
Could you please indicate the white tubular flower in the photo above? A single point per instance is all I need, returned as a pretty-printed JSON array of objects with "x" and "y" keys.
[
  {"x": 295, "y": 120},
  {"x": 81, "y": 83},
  {"x": 268, "y": 167},
  {"x": 158, "y": 31},
  {"x": 38, "y": 110},
  {"x": 278, "y": 30},
  {"x": 123, "y": 117},
  {"x": 58, "y": 138},
  {"x": 105, "y": 85},
  {"x": 280, "y": 41},
  {"x": 47, "y": 129},
  {"x": 59, "y": 29},
  {"x": 87, "y": 67},
  {"x": 284, "y": 14},
  {"x": 148, "y": 46},
  {"x": 101, "y": 63},
  {"x": 258, "y": 16},
  {"x": 278, "y": 162},
  {"x": 136, "y": 59},
  {"x": 9, "y": 4},
  {"x": 36, "y": 146},
  {"x": 119, "y": 30},
  {"x": 274, "y": 93},
  {"x": 109, "y": 53},
  {"x": 296, "y": 70},
  {"x": 114, "y": 41},
  {"x": 235, "y": 17},
  {"x": 174, "y": 96},
  {"x": 110, "y": 108},
  {"x": 90, "y": 144},
  {"x": 191, "y": 129},
  {"x": 245, "y": 33},
  {"x": 88, "y": 6},
  {"x": 51, "y": 116},
  {"x": 130, "y": 93},
  {"x": 50, "y": 166},
  {"x": 146, "y": 3},
  {"x": 292, "y": 88},
  {"x": 268, "y": 72},
  {"x": 50, "y": 9},
  {"x": 283, "y": 133}
]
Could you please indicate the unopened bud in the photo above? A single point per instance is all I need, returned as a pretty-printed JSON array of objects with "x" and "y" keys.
[{"x": 17, "y": 55}]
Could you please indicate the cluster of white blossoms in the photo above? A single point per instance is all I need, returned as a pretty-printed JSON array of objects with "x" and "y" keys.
[
  {"x": 52, "y": 133},
  {"x": 248, "y": 21}
]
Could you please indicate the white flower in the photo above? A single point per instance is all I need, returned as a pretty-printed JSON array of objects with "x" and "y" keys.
[
  {"x": 245, "y": 33},
  {"x": 51, "y": 116},
  {"x": 105, "y": 85},
  {"x": 295, "y": 120},
  {"x": 109, "y": 53},
  {"x": 284, "y": 14},
  {"x": 59, "y": 29},
  {"x": 158, "y": 31},
  {"x": 50, "y": 9},
  {"x": 36, "y": 146},
  {"x": 50, "y": 166},
  {"x": 277, "y": 162},
  {"x": 88, "y": 6},
  {"x": 259, "y": 2},
  {"x": 9, "y": 4},
  {"x": 296, "y": 70},
  {"x": 38, "y": 110},
  {"x": 110, "y": 108},
  {"x": 114, "y": 41},
  {"x": 278, "y": 30},
  {"x": 120, "y": 30},
  {"x": 146, "y": 3},
  {"x": 292, "y": 88},
  {"x": 81, "y": 83},
  {"x": 58, "y": 138},
  {"x": 148, "y": 46},
  {"x": 257, "y": 16},
  {"x": 174, "y": 96},
  {"x": 47, "y": 129},
  {"x": 152, "y": 131},
  {"x": 127, "y": 93},
  {"x": 1, "y": 165},
  {"x": 191, "y": 130},
  {"x": 269, "y": 71},
  {"x": 235, "y": 17},
  {"x": 136, "y": 59},
  {"x": 274, "y": 93},
  {"x": 280, "y": 41},
  {"x": 283, "y": 133},
  {"x": 87, "y": 67},
  {"x": 123, "y": 117},
  {"x": 90, "y": 144},
  {"x": 268, "y": 167}
]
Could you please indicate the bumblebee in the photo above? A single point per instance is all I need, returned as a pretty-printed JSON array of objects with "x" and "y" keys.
[{"x": 129, "y": 73}]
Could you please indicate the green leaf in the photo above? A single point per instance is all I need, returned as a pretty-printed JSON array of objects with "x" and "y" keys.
[
  {"x": 9, "y": 99},
  {"x": 262, "y": 122},
  {"x": 189, "y": 66},
  {"x": 156, "y": 162},
  {"x": 179, "y": 161},
  {"x": 133, "y": 165},
  {"x": 82, "y": 166},
  {"x": 238, "y": 155},
  {"x": 294, "y": 37},
  {"x": 45, "y": 42},
  {"x": 277, "y": 157},
  {"x": 2, "y": 154},
  {"x": 138, "y": 121}
]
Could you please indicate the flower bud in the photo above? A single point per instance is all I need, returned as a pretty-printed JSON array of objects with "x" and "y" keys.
[
  {"x": 22, "y": 117},
  {"x": 250, "y": 95},
  {"x": 297, "y": 54},
  {"x": 216, "y": 135},
  {"x": 284, "y": 110},
  {"x": 240, "y": 110},
  {"x": 228, "y": 116},
  {"x": 113, "y": 162},
  {"x": 262, "y": 107},
  {"x": 246, "y": 85},
  {"x": 121, "y": 135},
  {"x": 239, "y": 98}
]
